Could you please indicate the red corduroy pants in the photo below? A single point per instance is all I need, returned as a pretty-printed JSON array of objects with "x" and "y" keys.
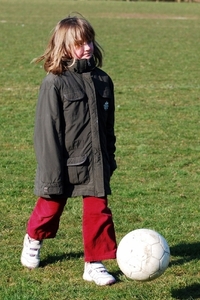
[{"x": 97, "y": 225}]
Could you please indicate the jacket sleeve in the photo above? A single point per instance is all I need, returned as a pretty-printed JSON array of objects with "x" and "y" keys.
[
  {"x": 111, "y": 138},
  {"x": 48, "y": 141}
]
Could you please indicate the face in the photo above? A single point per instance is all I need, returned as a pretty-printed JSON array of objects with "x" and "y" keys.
[{"x": 84, "y": 51}]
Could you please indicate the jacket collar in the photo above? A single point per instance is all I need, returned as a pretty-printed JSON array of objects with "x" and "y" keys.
[{"x": 81, "y": 65}]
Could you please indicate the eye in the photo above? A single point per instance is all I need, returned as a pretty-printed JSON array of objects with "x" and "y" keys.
[
  {"x": 89, "y": 42},
  {"x": 79, "y": 44}
]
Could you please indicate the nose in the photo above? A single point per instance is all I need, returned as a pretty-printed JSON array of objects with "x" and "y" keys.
[{"x": 87, "y": 46}]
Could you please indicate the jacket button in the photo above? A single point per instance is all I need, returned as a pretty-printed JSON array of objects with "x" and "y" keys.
[{"x": 46, "y": 190}]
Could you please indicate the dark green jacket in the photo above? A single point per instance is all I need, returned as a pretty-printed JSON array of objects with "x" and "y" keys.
[{"x": 74, "y": 133}]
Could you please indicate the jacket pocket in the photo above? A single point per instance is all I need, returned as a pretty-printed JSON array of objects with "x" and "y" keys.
[
  {"x": 77, "y": 170},
  {"x": 73, "y": 95},
  {"x": 75, "y": 107}
]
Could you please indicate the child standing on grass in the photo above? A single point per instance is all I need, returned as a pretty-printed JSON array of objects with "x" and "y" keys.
[{"x": 74, "y": 143}]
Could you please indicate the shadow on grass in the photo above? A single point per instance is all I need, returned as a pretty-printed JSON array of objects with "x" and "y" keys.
[
  {"x": 52, "y": 259},
  {"x": 185, "y": 252},
  {"x": 117, "y": 274},
  {"x": 190, "y": 292}
]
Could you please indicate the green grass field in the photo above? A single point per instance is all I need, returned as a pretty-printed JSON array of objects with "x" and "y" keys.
[{"x": 152, "y": 53}]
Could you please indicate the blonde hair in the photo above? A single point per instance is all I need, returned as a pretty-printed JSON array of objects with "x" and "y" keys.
[{"x": 68, "y": 33}]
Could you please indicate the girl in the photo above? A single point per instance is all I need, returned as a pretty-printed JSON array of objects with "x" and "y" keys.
[{"x": 74, "y": 144}]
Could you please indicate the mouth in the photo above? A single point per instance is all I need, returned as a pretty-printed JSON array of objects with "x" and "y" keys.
[{"x": 88, "y": 55}]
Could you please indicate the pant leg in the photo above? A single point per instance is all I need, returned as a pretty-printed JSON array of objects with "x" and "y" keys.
[
  {"x": 45, "y": 218},
  {"x": 98, "y": 230}
]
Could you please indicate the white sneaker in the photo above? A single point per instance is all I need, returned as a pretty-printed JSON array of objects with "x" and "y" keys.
[
  {"x": 30, "y": 257},
  {"x": 96, "y": 272}
]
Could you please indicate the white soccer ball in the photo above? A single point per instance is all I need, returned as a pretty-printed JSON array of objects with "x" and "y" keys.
[{"x": 143, "y": 254}]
